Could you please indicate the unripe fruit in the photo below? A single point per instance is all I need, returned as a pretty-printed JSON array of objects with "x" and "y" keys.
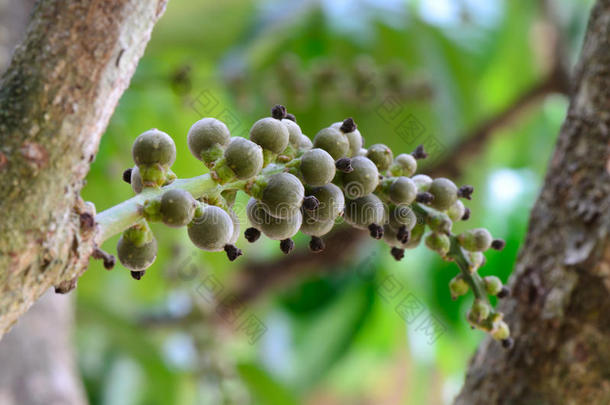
[
  {"x": 207, "y": 139},
  {"x": 439, "y": 222},
  {"x": 439, "y": 242},
  {"x": 282, "y": 195},
  {"x": 422, "y": 182},
  {"x": 475, "y": 240},
  {"x": 480, "y": 311},
  {"x": 271, "y": 134},
  {"x": 305, "y": 143},
  {"x": 362, "y": 180},
  {"x": 456, "y": 211},
  {"x": 136, "y": 180},
  {"x": 333, "y": 141},
  {"x": 281, "y": 228},
  {"x": 256, "y": 213},
  {"x": 294, "y": 132},
  {"x": 444, "y": 192},
  {"x": 381, "y": 155},
  {"x": 154, "y": 147},
  {"x": 493, "y": 285},
  {"x": 402, "y": 191},
  {"x": 416, "y": 235},
  {"x": 364, "y": 211},
  {"x": 212, "y": 230},
  {"x": 313, "y": 227},
  {"x": 317, "y": 167},
  {"x": 136, "y": 256},
  {"x": 403, "y": 165},
  {"x": 353, "y": 137},
  {"x": 177, "y": 208},
  {"x": 458, "y": 286},
  {"x": 500, "y": 331},
  {"x": 244, "y": 158},
  {"x": 331, "y": 202},
  {"x": 400, "y": 216}
]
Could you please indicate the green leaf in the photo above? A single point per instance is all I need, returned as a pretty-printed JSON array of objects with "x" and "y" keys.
[{"x": 263, "y": 387}]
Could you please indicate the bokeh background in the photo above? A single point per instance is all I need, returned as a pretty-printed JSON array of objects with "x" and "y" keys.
[{"x": 437, "y": 72}]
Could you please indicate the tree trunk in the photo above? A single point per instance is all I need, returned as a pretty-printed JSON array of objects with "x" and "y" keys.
[
  {"x": 55, "y": 101},
  {"x": 560, "y": 309}
]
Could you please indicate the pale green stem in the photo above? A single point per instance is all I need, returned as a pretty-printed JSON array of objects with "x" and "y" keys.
[{"x": 117, "y": 219}]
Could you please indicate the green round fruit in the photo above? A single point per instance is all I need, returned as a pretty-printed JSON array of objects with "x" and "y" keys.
[
  {"x": 402, "y": 191},
  {"x": 458, "y": 286},
  {"x": 256, "y": 213},
  {"x": 456, "y": 211},
  {"x": 493, "y": 285},
  {"x": 154, "y": 147},
  {"x": 317, "y": 167},
  {"x": 333, "y": 141},
  {"x": 207, "y": 138},
  {"x": 212, "y": 230},
  {"x": 271, "y": 134},
  {"x": 402, "y": 215},
  {"x": 136, "y": 180},
  {"x": 305, "y": 143},
  {"x": 136, "y": 257},
  {"x": 354, "y": 138},
  {"x": 416, "y": 235},
  {"x": 444, "y": 192},
  {"x": 422, "y": 182},
  {"x": 403, "y": 165},
  {"x": 282, "y": 195},
  {"x": 177, "y": 208},
  {"x": 475, "y": 240},
  {"x": 362, "y": 180},
  {"x": 439, "y": 222},
  {"x": 294, "y": 132},
  {"x": 281, "y": 228},
  {"x": 390, "y": 236},
  {"x": 331, "y": 202},
  {"x": 381, "y": 155},
  {"x": 439, "y": 242},
  {"x": 244, "y": 158},
  {"x": 501, "y": 331},
  {"x": 314, "y": 227},
  {"x": 364, "y": 211}
]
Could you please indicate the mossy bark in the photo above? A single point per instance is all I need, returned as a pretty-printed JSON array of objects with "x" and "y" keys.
[
  {"x": 56, "y": 98},
  {"x": 560, "y": 309}
]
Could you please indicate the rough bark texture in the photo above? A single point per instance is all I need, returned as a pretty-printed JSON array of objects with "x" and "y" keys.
[
  {"x": 560, "y": 309},
  {"x": 36, "y": 357},
  {"x": 55, "y": 101},
  {"x": 29, "y": 349}
]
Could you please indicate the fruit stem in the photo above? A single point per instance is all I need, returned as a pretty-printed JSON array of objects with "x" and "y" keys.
[
  {"x": 472, "y": 278},
  {"x": 457, "y": 254},
  {"x": 116, "y": 219}
]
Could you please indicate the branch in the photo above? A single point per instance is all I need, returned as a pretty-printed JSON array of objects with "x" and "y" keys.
[{"x": 56, "y": 98}]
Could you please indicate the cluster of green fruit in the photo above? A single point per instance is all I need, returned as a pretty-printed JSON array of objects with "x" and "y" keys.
[{"x": 299, "y": 185}]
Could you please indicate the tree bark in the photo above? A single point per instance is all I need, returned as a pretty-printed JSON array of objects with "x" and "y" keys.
[
  {"x": 560, "y": 309},
  {"x": 56, "y": 98}
]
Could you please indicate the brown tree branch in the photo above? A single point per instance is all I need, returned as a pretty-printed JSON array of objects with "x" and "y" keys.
[
  {"x": 55, "y": 101},
  {"x": 560, "y": 309}
]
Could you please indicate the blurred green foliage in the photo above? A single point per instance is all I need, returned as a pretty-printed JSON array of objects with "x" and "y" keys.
[{"x": 336, "y": 337}]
